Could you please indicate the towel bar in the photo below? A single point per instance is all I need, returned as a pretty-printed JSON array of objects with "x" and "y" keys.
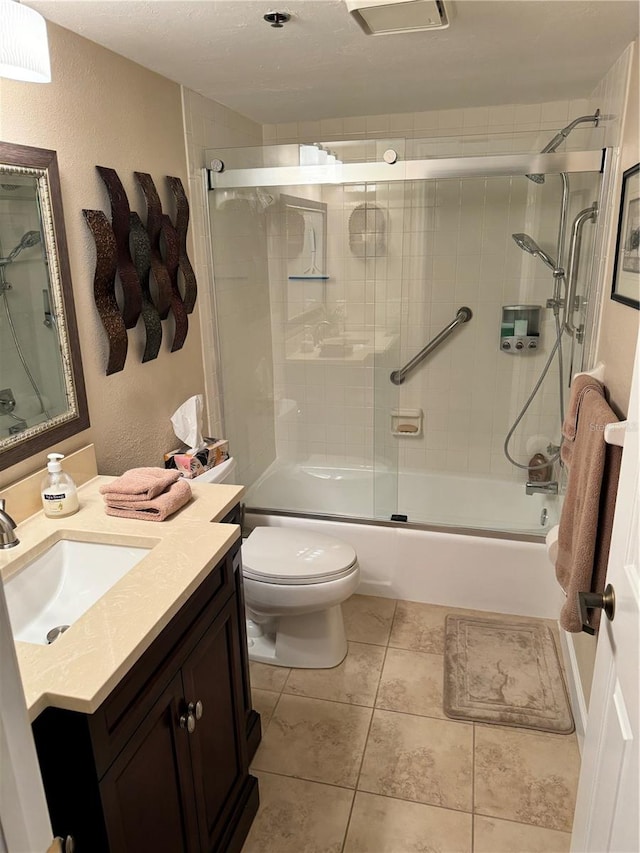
[{"x": 615, "y": 433}]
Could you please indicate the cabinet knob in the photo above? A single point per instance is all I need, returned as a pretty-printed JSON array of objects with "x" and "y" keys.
[
  {"x": 195, "y": 708},
  {"x": 188, "y": 722}
]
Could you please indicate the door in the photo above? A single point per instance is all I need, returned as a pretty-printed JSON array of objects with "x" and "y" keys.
[
  {"x": 606, "y": 817},
  {"x": 213, "y": 689},
  {"x": 147, "y": 794}
]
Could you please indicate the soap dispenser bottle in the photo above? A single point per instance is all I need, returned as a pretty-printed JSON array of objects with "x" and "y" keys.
[{"x": 59, "y": 494}]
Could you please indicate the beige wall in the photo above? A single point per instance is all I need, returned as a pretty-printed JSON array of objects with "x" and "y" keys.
[
  {"x": 619, "y": 323},
  {"x": 104, "y": 109}
]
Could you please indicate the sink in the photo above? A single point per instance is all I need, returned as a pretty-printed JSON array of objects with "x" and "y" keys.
[{"x": 57, "y": 587}]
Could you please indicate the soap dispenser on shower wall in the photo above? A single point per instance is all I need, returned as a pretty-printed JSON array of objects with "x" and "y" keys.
[{"x": 59, "y": 494}]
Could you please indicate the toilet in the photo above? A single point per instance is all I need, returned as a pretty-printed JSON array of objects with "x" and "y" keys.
[{"x": 294, "y": 583}]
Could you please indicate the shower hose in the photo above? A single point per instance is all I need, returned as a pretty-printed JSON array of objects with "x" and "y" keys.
[{"x": 557, "y": 348}]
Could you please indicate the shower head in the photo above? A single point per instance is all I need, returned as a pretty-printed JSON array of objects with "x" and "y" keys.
[
  {"x": 27, "y": 241},
  {"x": 560, "y": 137},
  {"x": 528, "y": 244}
]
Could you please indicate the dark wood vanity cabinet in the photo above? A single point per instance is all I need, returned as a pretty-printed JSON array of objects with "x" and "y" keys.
[{"x": 162, "y": 766}]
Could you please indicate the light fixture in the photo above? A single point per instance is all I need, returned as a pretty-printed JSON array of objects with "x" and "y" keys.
[
  {"x": 24, "y": 49},
  {"x": 383, "y": 17}
]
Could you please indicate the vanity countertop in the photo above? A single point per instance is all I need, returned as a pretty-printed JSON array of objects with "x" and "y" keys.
[{"x": 81, "y": 668}]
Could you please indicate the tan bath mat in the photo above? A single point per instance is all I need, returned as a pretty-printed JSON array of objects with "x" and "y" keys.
[{"x": 505, "y": 672}]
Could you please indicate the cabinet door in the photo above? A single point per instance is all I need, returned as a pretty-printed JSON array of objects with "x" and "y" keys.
[
  {"x": 147, "y": 794},
  {"x": 212, "y": 675}
]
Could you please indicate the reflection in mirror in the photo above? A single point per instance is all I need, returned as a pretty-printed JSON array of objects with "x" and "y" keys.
[{"x": 42, "y": 398}]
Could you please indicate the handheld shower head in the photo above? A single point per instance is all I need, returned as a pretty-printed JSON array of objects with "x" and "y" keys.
[
  {"x": 27, "y": 241},
  {"x": 528, "y": 244}
]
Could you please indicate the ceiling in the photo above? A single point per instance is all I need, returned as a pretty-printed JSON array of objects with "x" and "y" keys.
[{"x": 322, "y": 65}]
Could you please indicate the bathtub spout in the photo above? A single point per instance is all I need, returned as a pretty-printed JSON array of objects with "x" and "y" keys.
[{"x": 548, "y": 488}]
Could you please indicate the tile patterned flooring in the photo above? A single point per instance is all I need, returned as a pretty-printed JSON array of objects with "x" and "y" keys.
[{"x": 361, "y": 758}]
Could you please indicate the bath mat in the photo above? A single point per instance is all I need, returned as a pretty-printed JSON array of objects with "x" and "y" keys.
[{"x": 504, "y": 671}]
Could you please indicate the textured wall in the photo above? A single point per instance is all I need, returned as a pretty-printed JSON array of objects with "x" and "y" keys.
[{"x": 104, "y": 109}]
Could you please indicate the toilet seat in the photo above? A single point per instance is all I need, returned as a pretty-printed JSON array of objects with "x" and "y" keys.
[{"x": 277, "y": 556}]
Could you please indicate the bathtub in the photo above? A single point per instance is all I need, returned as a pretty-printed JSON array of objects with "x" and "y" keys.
[
  {"x": 492, "y": 558},
  {"x": 353, "y": 489}
]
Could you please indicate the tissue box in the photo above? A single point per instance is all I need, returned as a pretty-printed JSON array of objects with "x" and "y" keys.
[{"x": 191, "y": 465}]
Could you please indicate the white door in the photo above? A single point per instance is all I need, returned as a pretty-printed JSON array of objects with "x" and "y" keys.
[{"x": 606, "y": 818}]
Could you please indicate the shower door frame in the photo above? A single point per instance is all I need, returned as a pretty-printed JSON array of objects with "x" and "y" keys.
[{"x": 600, "y": 161}]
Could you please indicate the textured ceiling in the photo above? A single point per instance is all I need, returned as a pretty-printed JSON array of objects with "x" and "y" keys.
[{"x": 321, "y": 64}]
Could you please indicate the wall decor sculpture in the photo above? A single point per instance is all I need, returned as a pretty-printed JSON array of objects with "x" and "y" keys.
[
  {"x": 154, "y": 226},
  {"x": 120, "y": 212},
  {"x": 171, "y": 259},
  {"x": 182, "y": 225},
  {"x": 104, "y": 288},
  {"x": 142, "y": 259},
  {"x": 140, "y": 253}
]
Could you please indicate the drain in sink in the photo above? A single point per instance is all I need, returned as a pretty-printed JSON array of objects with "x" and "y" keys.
[{"x": 54, "y": 633}]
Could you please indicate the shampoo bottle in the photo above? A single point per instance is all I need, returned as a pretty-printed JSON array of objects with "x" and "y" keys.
[{"x": 59, "y": 495}]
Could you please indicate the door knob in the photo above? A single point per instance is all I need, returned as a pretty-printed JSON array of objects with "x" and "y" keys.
[
  {"x": 197, "y": 709},
  {"x": 596, "y": 601}
]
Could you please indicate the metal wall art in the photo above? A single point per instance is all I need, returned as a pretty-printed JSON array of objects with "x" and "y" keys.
[
  {"x": 104, "y": 288},
  {"x": 182, "y": 225},
  {"x": 148, "y": 261}
]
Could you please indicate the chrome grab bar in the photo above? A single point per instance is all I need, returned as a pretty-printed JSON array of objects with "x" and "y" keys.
[
  {"x": 464, "y": 315},
  {"x": 589, "y": 213}
]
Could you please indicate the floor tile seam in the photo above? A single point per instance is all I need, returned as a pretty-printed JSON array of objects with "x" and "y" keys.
[
  {"x": 417, "y": 802},
  {"x": 408, "y": 649},
  {"x": 393, "y": 619},
  {"x": 473, "y": 786},
  {"x": 520, "y": 823},
  {"x": 364, "y": 751},
  {"x": 523, "y": 823},
  {"x": 324, "y": 699},
  {"x": 424, "y": 716},
  {"x": 305, "y": 779}
]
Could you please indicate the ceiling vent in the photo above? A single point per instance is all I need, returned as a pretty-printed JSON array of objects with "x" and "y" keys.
[{"x": 382, "y": 17}]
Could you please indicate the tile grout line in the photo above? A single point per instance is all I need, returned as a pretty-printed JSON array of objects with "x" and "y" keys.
[
  {"x": 366, "y": 740},
  {"x": 473, "y": 791}
]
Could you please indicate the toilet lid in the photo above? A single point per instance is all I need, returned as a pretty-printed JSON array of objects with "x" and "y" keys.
[{"x": 274, "y": 555}]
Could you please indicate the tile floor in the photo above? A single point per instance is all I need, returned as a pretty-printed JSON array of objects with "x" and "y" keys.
[{"x": 361, "y": 758}]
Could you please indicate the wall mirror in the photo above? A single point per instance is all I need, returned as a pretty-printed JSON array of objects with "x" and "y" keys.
[
  {"x": 42, "y": 393},
  {"x": 305, "y": 230}
]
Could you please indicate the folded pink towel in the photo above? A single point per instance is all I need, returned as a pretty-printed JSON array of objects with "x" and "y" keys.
[
  {"x": 157, "y": 509},
  {"x": 139, "y": 484}
]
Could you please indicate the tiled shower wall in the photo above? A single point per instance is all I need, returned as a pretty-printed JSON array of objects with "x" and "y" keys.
[
  {"x": 327, "y": 411},
  {"x": 448, "y": 244}
]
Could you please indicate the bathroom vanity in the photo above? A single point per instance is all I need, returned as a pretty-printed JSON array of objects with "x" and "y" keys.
[{"x": 141, "y": 711}]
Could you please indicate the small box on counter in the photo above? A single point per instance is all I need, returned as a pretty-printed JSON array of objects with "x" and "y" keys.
[{"x": 191, "y": 465}]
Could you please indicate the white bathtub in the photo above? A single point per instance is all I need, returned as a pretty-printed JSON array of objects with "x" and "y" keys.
[{"x": 354, "y": 490}]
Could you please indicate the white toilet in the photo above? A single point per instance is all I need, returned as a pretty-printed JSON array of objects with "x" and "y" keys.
[{"x": 294, "y": 582}]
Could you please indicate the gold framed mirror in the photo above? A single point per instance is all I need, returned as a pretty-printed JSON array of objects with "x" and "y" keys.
[{"x": 42, "y": 391}]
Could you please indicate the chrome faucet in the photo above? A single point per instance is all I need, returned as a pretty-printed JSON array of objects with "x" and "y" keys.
[
  {"x": 545, "y": 488},
  {"x": 7, "y": 525}
]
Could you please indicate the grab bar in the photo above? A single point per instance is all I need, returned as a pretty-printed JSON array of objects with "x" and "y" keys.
[
  {"x": 464, "y": 315},
  {"x": 589, "y": 213}
]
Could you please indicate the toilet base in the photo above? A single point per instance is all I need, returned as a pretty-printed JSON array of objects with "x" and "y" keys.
[{"x": 306, "y": 641}]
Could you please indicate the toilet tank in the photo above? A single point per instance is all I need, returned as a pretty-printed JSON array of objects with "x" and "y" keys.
[{"x": 223, "y": 473}]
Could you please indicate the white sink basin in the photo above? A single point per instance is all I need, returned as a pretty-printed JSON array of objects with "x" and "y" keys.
[{"x": 57, "y": 587}]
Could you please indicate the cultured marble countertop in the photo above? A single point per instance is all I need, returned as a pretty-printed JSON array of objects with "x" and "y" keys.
[{"x": 81, "y": 668}]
